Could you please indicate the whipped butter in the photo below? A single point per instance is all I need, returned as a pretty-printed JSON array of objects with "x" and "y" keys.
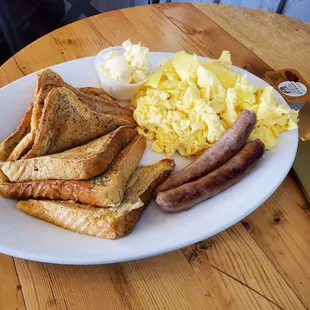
[{"x": 130, "y": 67}]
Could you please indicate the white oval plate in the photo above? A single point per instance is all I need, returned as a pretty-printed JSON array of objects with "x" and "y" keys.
[{"x": 157, "y": 232}]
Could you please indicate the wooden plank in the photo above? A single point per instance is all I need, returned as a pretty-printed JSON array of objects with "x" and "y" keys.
[
  {"x": 291, "y": 186},
  {"x": 10, "y": 72},
  {"x": 144, "y": 284},
  {"x": 236, "y": 295},
  {"x": 158, "y": 278},
  {"x": 10, "y": 289},
  {"x": 28, "y": 60},
  {"x": 227, "y": 292},
  {"x": 282, "y": 230},
  {"x": 294, "y": 8},
  {"x": 234, "y": 255},
  {"x": 273, "y": 38},
  {"x": 48, "y": 286},
  {"x": 78, "y": 41},
  {"x": 182, "y": 32},
  {"x": 117, "y": 29},
  {"x": 165, "y": 35}
]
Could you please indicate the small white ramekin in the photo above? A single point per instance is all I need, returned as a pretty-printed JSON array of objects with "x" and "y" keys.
[{"x": 121, "y": 91}]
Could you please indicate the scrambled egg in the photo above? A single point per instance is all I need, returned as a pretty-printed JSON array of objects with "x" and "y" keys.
[{"x": 187, "y": 105}]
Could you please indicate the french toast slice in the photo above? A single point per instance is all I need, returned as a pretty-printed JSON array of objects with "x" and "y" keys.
[
  {"x": 97, "y": 92},
  {"x": 100, "y": 93},
  {"x": 94, "y": 98},
  {"x": 8, "y": 145},
  {"x": 111, "y": 223},
  {"x": 48, "y": 80},
  {"x": 105, "y": 190},
  {"x": 80, "y": 163},
  {"x": 66, "y": 123},
  {"x": 23, "y": 147}
]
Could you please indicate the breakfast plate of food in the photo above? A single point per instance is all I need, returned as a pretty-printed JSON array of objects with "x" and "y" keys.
[{"x": 133, "y": 153}]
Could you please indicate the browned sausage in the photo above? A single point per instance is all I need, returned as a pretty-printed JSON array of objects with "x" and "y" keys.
[
  {"x": 189, "y": 194},
  {"x": 218, "y": 154}
]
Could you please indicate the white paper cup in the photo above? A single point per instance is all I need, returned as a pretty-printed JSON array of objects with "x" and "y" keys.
[{"x": 121, "y": 91}]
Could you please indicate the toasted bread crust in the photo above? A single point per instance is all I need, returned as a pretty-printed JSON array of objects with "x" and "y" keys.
[
  {"x": 98, "y": 100},
  {"x": 100, "y": 93},
  {"x": 97, "y": 92},
  {"x": 9, "y": 144},
  {"x": 22, "y": 147},
  {"x": 106, "y": 190},
  {"x": 94, "y": 91},
  {"x": 112, "y": 183},
  {"x": 48, "y": 80},
  {"x": 66, "y": 123},
  {"x": 94, "y": 98},
  {"x": 104, "y": 223},
  {"x": 79, "y": 163}
]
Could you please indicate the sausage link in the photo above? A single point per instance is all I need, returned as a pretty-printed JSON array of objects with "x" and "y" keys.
[
  {"x": 189, "y": 194},
  {"x": 218, "y": 154}
]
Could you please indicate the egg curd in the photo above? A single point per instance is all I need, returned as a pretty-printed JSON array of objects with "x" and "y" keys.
[{"x": 187, "y": 105}]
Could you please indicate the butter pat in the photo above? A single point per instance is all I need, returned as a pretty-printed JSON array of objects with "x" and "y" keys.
[
  {"x": 117, "y": 68},
  {"x": 130, "y": 67}
]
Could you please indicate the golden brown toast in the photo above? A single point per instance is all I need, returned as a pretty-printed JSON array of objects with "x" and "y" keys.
[
  {"x": 80, "y": 163},
  {"x": 96, "y": 91},
  {"x": 97, "y": 100},
  {"x": 48, "y": 80},
  {"x": 94, "y": 98},
  {"x": 66, "y": 123},
  {"x": 100, "y": 93},
  {"x": 109, "y": 223},
  {"x": 23, "y": 147},
  {"x": 8, "y": 145},
  {"x": 3, "y": 177},
  {"x": 106, "y": 190}
]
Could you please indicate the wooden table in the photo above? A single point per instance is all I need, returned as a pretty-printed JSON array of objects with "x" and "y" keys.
[{"x": 260, "y": 263}]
